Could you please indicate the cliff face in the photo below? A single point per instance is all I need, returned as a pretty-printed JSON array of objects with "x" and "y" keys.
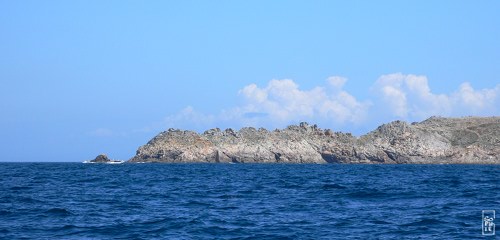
[{"x": 435, "y": 140}]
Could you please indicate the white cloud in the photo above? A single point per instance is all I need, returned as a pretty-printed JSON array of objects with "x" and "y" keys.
[
  {"x": 477, "y": 100},
  {"x": 337, "y": 82},
  {"x": 410, "y": 97},
  {"x": 282, "y": 101},
  {"x": 279, "y": 103}
]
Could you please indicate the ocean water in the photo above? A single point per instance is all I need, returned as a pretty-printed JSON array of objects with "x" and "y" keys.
[{"x": 245, "y": 201}]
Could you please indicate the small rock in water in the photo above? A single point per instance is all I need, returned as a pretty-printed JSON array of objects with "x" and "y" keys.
[{"x": 101, "y": 158}]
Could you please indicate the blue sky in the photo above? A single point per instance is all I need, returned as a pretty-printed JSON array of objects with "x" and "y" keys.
[{"x": 79, "y": 78}]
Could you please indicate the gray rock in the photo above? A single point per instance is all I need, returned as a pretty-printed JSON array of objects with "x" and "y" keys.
[
  {"x": 435, "y": 140},
  {"x": 101, "y": 158}
]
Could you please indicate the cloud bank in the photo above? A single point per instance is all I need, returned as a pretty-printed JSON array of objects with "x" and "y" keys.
[
  {"x": 410, "y": 97},
  {"x": 394, "y": 96},
  {"x": 282, "y": 101}
]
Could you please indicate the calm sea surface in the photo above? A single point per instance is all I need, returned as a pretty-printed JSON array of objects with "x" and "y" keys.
[{"x": 245, "y": 201}]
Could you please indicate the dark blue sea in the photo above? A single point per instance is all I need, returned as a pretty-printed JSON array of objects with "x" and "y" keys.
[{"x": 245, "y": 201}]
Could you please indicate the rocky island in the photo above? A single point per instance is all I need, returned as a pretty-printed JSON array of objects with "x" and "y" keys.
[
  {"x": 103, "y": 158},
  {"x": 470, "y": 140}
]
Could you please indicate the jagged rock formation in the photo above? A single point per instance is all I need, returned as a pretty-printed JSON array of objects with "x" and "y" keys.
[{"x": 435, "y": 140}]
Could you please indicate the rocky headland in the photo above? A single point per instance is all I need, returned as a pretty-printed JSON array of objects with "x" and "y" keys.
[{"x": 470, "y": 140}]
